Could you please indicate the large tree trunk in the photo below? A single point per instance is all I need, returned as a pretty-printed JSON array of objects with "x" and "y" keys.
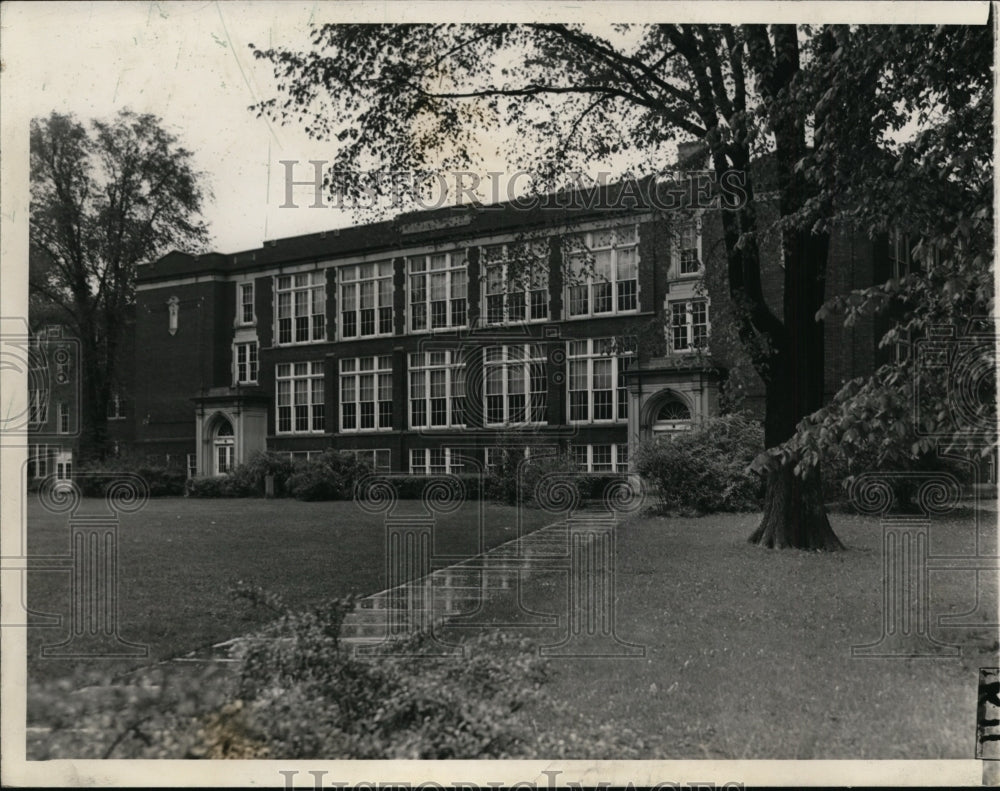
[
  {"x": 794, "y": 515},
  {"x": 93, "y": 409}
]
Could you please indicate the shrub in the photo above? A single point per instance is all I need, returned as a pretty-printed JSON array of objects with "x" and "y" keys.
[
  {"x": 412, "y": 487},
  {"x": 300, "y": 693},
  {"x": 222, "y": 486},
  {"x": 161, "y": 481},
  {"x": 839, "y": 471},
  {"x": 705, "y": 469},
  {"x": 514, "y": 472},
  {"x": 329, "y": 476}
]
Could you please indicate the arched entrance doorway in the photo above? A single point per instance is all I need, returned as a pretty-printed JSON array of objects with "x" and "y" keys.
[{"x": 224, "y": 447}]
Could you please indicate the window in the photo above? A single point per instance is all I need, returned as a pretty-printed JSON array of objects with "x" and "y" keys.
[
  {"x": 689, "y": 248},
  {"x": 116, "y": 406},
  {"x": 192, "y": 465},
  {"x": 366, "y": 393},
  {"x": 597, "y": 389},
  {"x": 301, "y": 407},
  {"x": 438, "y": 288},
  {"x": 38, "y": 461},
  {"x": 379, "y": 460},
  {"x": 301, "y": 307},
  {"x": 435, "y": 461},
  {"x": 517, "y": 284},
  {"x": 689, "y": 325},
  {"x": 600, "y": 458},
  {"x": 63, "y": 418},
  {"x": 38, "y": 406},
  {"x": 64, "y": 465},
  {"x": 246, "y": 363},
  {"x": 603, "y": 272},
  {"x": 437, "y": 389},
  {"x": 514, "y": 384},
  {"x": 246, "y": 303},
  {"x": 673, "y": 415},
  {"x": 366, "y": 300}
]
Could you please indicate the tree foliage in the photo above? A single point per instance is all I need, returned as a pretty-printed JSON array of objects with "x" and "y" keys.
[
  {"x": 815, "y": 107},
  {"x": 103, "y": 200},
  {"x": 928, "y": 177}
]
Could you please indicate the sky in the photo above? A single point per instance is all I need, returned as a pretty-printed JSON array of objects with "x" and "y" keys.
[{"x": 190, "y": 64}]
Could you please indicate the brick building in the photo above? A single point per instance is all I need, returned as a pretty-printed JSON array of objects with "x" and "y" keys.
[{"x": 427, "y": 341}]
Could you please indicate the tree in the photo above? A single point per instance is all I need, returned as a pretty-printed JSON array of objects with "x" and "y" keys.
[
  {"x": 411, "y": 97},
  {"x": 934, "y": 188},
  {"x": 103, "y": 201}
]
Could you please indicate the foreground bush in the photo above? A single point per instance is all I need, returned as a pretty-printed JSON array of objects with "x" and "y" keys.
[
  {"x": 704, "y": 470},
  {"x": 300, "y": 693}
]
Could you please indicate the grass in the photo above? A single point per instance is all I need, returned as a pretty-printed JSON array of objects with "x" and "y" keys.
[
  {"x": 178, "y": 556},
  {"x": 748, "y": 651}
]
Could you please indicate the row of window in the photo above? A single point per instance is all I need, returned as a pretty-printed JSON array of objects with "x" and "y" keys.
[
  {"x": 44, "y": 460},
  {"x": 38, "y": 411},
  {"x": 437, "y": 461},
  {"x": 689, "y": 330},
  {"x": 601, "y": 279},
  {"x": 515, "y": 388}
]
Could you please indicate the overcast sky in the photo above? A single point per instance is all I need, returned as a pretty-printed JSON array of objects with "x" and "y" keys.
[{"x": 189, "y": 63}]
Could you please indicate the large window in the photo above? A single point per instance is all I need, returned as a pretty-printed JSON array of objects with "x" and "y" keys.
[
  {"x": 366, "y": 300},
  {"x": 514, "y": 384},
  {"x": 689, "y": 325},
  {"x": 435, "y": 461},
  {"x": 597, "y": 380},
  {"x": 301, "y": 301},
  {"x": 517, "y": 284},
  {"x": 437, "y": 389},
  {"x": 601, "y": 458},
  {"x": 438, "y": 288},
  {"x": 300, "y": 398},
  {"x": 603, "y": 271},
  {"x": 689, "y": 248},
  {"x": 366, "y": 393},
  {"x": 246, "y": 363},
  {"x": 245, "y": 303}
]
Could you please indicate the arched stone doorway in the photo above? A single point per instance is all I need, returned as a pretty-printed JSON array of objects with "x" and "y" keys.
[{"x": 229, "y": 428}]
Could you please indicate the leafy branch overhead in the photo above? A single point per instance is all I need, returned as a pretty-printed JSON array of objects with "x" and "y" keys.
[{"x": 865, "y": 129}]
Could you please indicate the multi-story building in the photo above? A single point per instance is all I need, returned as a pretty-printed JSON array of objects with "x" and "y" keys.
[{"x": 425, "y": 342}]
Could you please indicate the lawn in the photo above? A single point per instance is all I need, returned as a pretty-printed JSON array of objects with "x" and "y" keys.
[
  {"x": 748, "y": 651},
  {"x": 178, "y": 556}
]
